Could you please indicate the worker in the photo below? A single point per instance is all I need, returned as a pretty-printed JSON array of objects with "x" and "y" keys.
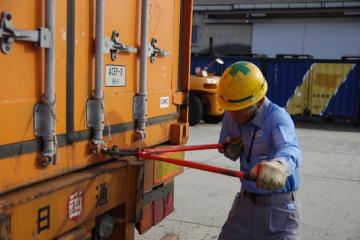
[{"x": 263, "y": 136}]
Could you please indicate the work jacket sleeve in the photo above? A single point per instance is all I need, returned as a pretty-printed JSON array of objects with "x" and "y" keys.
[
  {"x": 285, "y": 144},
  {"x": 225, "y": 127}
]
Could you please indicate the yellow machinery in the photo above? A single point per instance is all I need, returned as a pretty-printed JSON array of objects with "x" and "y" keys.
[
  {"x": 79, "y": 77},
  {"x": 202, "y": 99}
]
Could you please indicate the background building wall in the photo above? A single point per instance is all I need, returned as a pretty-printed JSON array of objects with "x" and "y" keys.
[
  {"x": 227, "y": 38},
  {"x": 321, "y": 38}
]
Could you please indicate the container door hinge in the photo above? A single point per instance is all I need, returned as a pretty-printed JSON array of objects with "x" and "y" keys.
[
  {"x": 44, "y": 128},
  {"x": 95, "y": 116},
  {"x": 138, "y": 106},
  {"x": 8, "y": 34},
  {"x": 114, "y": 47},
  {"x": 153, "y": 51}
]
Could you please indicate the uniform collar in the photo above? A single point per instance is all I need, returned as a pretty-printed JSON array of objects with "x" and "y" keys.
[{"x": 261, "y": 113}]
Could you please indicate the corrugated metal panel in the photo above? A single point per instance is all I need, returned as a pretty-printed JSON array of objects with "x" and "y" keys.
[
  {"x": 305, "y": 87},
  {"x": 346, "y": 101},
  {"x": 285, "y": 78},
  {"x": 325, "y": 80}
]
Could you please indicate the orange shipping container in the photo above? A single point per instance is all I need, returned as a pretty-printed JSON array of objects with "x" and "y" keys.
[{"x": 76, "y": 77}]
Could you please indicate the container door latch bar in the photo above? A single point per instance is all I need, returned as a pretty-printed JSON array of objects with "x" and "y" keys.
[
  {"x": 114, "y": 47},
  {"x": 154, "y": 51},
  {"x": 8, "y": 34}
]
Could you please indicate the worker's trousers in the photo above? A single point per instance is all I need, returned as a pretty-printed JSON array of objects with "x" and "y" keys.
[{"x": 250, "y": 221}]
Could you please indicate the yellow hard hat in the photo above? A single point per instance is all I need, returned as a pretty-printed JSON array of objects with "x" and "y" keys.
[{"x": 241, "y": 86}]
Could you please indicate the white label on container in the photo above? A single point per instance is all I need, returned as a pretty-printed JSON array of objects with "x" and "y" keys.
[
  {"x": 164, "y": 102},
  {"x": 115, "y": 76},
  {"x": 75, "y": 203}
]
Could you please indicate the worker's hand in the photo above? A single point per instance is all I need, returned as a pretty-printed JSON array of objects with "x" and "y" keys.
[
  {"x": 269, "y": 175},
  {"x": 231, "y": 148}
]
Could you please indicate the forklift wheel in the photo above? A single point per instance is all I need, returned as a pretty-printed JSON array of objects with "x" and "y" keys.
[
  {"x": 195, "y": 109},
  {"x": 212, "y": 118}
]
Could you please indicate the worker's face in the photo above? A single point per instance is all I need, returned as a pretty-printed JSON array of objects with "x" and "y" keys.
[{"x": 245, "y": 115}]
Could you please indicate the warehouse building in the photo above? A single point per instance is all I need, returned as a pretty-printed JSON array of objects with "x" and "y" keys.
[{"x": 323, "y": 29}]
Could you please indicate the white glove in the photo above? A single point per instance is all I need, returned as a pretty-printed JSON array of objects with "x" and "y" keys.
[
  {"x": 232, "y": 148},
  {"x": 269, "y": 175}
]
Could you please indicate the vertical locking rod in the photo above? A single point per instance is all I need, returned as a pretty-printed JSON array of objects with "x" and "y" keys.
[
  {"x": 142, "y": 95},
  {"x": 95, "y": 106},
  {"x": 48, "y": 100}
]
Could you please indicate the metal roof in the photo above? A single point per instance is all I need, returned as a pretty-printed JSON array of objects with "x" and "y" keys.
[
  {"x": 239, "y": 5},
  {"x": 225, "y": 2}
]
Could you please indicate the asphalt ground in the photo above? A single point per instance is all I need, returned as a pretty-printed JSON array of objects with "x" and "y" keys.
[{"x": 329, "y": 193}]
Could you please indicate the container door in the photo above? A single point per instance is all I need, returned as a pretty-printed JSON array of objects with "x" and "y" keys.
[
  {"x": 120, "y": 74},
  {"x": 119, "y": 79},
  {"x": 22, "y": 69},
  {"x": 163, "y": 73}
]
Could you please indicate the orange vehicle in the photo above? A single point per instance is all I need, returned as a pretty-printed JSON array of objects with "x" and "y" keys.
[
  {"x": 202, "y": 99},
  {"x": 80, "y": 78}
]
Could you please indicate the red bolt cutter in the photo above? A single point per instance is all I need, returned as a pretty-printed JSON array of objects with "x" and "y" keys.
[{"x": 153, "y": 154}]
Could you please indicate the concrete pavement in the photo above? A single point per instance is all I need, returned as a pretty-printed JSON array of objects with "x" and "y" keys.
[{"x": 329, "y": 192}]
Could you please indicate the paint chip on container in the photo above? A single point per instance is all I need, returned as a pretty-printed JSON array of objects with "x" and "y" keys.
[{"x": 63, "y": 34}]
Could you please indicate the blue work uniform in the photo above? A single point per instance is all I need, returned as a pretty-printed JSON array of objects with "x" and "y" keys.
[{"x": 269, "y": 136}]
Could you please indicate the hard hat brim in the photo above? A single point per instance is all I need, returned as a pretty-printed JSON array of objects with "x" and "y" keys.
[{"x": 234, "y": 105}]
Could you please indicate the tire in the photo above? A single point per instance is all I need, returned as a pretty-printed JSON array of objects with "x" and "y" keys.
[
  {"x": 212, "y": 118},
  {"x": 195, "y": 109}
]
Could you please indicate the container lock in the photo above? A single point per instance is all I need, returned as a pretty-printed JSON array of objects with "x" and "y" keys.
[
  {"x": 114, "y": 47},
  {"x": 8, "y": 34},
  {"x": 154, "y": 51}
]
